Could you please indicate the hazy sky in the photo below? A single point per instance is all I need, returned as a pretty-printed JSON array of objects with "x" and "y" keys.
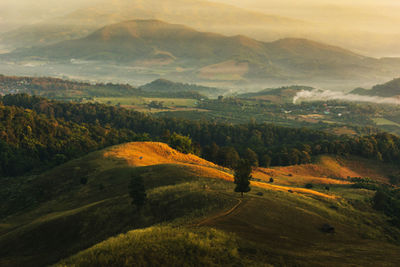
[{"x": 359, "y": 12}]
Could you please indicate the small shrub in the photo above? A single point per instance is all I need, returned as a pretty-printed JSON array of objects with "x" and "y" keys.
[
  {"x": 84, "y": 180},
  {"x": 394, "y": 179},
  {"x": 137, "y": 191},
  {"x": 334, "y": 207},
  {"x": 309, "y": 186},
  {"x": 327, "y": 228},
  {"x": 271, "y": 180}
]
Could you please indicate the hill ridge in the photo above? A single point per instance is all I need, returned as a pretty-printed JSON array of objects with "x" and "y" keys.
[{"x": 199, "y": 56}]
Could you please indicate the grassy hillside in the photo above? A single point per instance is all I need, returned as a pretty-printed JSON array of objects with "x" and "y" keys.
[
  {"x": 189, "y": 218},
  {"x": 177, "y": 246},
  {"x": 58, "y": 213}
]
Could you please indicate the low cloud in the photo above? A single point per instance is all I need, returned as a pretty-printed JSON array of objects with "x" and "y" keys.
[{"x": 325, "y": 95}]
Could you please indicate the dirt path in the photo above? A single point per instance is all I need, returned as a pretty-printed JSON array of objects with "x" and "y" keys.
[{"x": 222, "y": 214}]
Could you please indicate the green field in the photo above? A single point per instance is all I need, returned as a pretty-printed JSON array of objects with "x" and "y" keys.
[
  {"x": 383, "y": 121},
  {"x": 143, "y": 101}
]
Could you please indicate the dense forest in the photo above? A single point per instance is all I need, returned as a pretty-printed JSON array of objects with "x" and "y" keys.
[{"x": 36, "y": 132}]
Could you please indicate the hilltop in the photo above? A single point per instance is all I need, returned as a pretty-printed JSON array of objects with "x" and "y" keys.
[
  {"x": 182, "y": 51},
  {"x": 83, "y": 202},
  {"x": 203, "y": 15},
  {"x": 276, "y": 95},
  {"x": 166, "y": 86},
  {"x": 389, "y": 89}
]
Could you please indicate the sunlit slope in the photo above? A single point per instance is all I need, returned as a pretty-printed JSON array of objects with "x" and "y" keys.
[
  {"x": 329, "y": 170},
  {"x": 85, "y": 201},
  {"x": 152, "y": 153},
  {"x": 266, "y": 227}
]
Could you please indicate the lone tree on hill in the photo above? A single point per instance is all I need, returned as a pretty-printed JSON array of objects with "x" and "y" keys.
[
  {"x": 242, "y": 176},
  {"x": 137, "y": 191}
]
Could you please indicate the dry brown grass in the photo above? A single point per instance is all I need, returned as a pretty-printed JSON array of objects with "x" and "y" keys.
[
  {"x": 153, "y": 153},
  {"x": 327, "y": 170},
  {"x": 297, "y": 190}
]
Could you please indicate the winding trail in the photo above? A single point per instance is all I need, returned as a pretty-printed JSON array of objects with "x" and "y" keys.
[{"x": 222, "y": 214}]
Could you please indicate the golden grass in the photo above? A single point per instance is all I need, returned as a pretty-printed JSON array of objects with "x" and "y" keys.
[
  {"x": 327, "y": 166},
  {"x": 297, "y": 190},
  {"x": 283, "y": 177},
  {"x": 327, "y": 170},
  {"x": 153, "y": 153},
  {"x": 208, "y": 172}
]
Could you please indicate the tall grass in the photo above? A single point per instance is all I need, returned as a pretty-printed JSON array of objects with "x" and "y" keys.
[{"x": 163, "y": 246}]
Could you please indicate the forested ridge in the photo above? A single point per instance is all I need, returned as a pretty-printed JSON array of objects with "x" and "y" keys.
[{"x": 37, "y": 133}]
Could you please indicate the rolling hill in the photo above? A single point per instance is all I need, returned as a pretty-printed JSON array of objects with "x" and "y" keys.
[
  {"x": 276, "y": 95},
  {"x": 389, "y": 89},
  {"x": 166, "y": 86},
  {"x": 59, "y": 217},
  {"x": 212, "y": 57}
]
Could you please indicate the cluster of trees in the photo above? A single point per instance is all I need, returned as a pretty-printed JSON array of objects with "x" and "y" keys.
[
  {"x": 64, "y": 89},
  {"x": 225, "y": 144},
  {"x": 162, "y": 85},
  {"x": 388, "y": 200},
  {"x": 31, "y": 141},
  {"x": 58, "y": 88}
]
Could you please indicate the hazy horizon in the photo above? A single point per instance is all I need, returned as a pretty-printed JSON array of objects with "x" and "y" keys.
[{"x": 369, "y": 27}]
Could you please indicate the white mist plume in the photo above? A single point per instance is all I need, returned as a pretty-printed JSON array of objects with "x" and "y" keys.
[{"x": 325, "y": 95}]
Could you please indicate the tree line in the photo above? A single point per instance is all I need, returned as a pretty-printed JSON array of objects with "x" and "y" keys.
[{"x": 96, "y": 125}]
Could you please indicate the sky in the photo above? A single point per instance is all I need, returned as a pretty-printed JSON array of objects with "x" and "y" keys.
[
  {"x": 370, "y": 27},
  {"x": 370, "y": 15},
  {"x": 346, "y": 13}
]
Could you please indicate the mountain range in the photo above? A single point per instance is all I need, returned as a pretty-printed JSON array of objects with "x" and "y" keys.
[
  {"x": 205, "y": 56},
  {"x": 202, "y": 15},
  {"x": 342, "y": 24}
]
